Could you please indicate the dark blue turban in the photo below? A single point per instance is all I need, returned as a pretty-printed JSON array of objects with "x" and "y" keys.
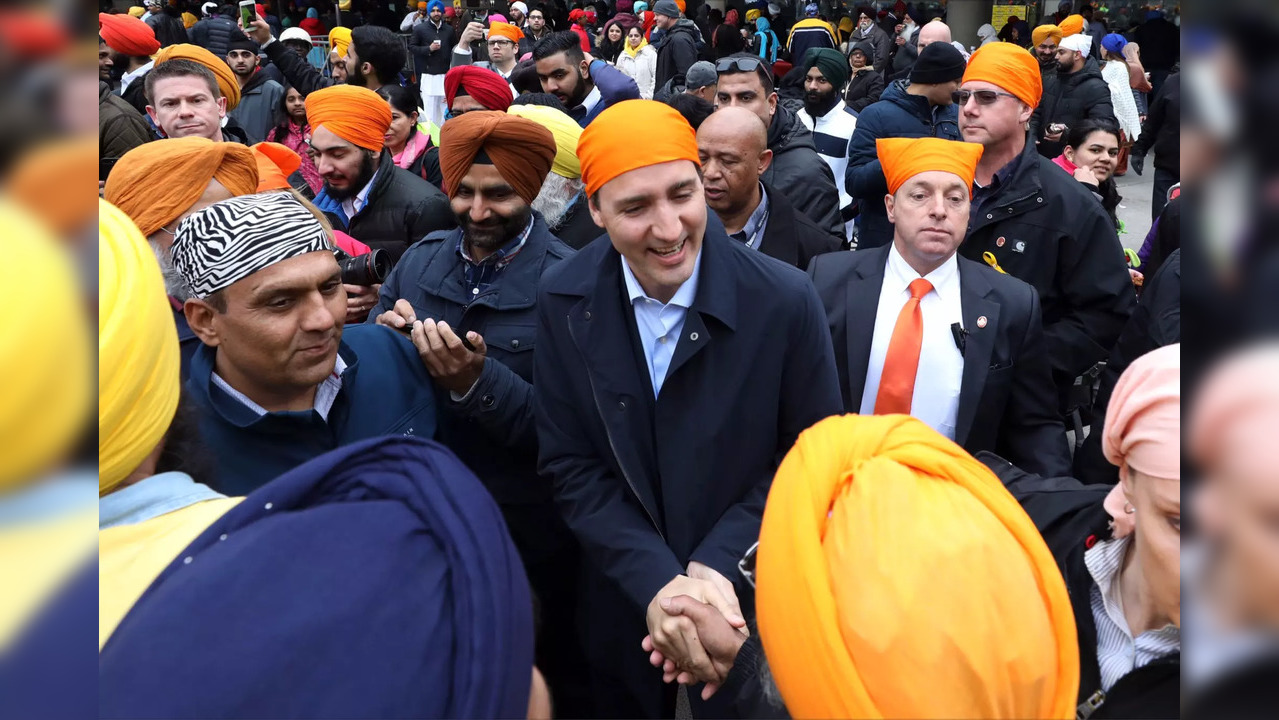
[{"x": 377, "y": 580}]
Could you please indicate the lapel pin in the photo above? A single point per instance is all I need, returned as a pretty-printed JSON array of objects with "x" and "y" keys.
[
  {"x": 981, "y": 321},
  {"x": 999, "y": 242}
]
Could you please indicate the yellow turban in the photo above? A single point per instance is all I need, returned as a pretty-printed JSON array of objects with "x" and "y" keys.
[
  {"x": 137, "y": 11},
  {"x": 227, "y": 83},
  {"x": 339, "y": 38},
  {"x": 1010, "y": 67},
  {"x": 896, "y": 577},
  {"x": 189, "y": 20},
  {"x": 607, "y": 148},
  {"x": 46, "y": 364},
  {"x": 752, "y": 15},
  {"x": 566, "y": 132},
  {"x": 1043, "y": 32},
  {"x": 1072, "y": 25},
  {"x": 138, "y": 359},
  {"x": 904, "y": 158}
]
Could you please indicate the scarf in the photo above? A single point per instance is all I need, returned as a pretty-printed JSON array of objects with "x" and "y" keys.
[
  {"x": 416, "y": 145},
  {"x": 633, "y": 52}
]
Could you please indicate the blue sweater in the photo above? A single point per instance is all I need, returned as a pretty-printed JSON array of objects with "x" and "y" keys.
[{"x": 385, "y": 391}]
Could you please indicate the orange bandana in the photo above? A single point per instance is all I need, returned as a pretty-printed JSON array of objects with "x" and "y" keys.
[
  {"x": 1010, "y": 67},
  {"x": 356, "y": 114},
  {"x": 227, "y": 83},
  {"x": 275, "y": 164},
  {"x": 888, "y": 555},
  {"x": 505, "y": 30},
  {"x": 607, "y": 146},
  {"x": 904, "y": 158}
]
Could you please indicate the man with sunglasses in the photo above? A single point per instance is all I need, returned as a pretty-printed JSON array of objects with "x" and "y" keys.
[
  {"x": 1039, "y": 226},
  {"x": 797, "y": 170}
]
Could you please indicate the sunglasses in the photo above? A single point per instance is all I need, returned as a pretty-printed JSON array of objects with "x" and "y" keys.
[
  {"x": 743, "y": 64},
  {"x": 984, "y": 97}
]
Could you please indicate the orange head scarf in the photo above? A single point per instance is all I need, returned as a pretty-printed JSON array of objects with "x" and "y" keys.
[
  {"x": 1043, "y": 32},
  {"x": 607, "y": 146},
  {"x": 896, "y": 577},
  {"x": 155, "y": 183},
  {"x": 521, "y": 150},
  {"x": 226, "y": 79},
  {"x": 275, "y": 164},
  {"x": 505, "y": 30},
  {"x": 356, "y": 114},
  {"x": 904, "y": 158},
  {"x": 1072, "y": 25},
  {"x": 127, "y": 34},
  {"x": 1010, "y": 67}
]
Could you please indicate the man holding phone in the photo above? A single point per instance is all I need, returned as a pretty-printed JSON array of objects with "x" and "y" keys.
[
  {"x": 432, "y": 46},
  {"x": 1080, "y": 93}
]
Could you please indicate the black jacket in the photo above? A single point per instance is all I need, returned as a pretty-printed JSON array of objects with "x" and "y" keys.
[
  {"x": 1071, "y": 517},
  {"x": 215, "y": 34},
  {"x": 426, "y": 62},
  {"x": 1162, "y": 129},
  {"x": 168, "y": 29},
  {"x": 1007, "y": 402},
  {"x": 136, "y": 94},
  {"x": 296, "y": 71},
  {"x": 402, "y": 209},
  {"x": 676, "y": 51},
  {"x": 800, "y": 172},
  {"x": 1079, "y": 96},
  {"x": 1042, "y": 226},
  {"x": 865, "y": 87},
  {"x": 790, "y": 236}
]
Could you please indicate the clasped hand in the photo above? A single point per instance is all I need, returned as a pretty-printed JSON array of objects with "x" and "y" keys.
[{"x": 695, "y": 629}]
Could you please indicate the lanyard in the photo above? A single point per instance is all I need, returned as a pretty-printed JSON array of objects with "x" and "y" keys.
[{"x": 753, "y": 240}]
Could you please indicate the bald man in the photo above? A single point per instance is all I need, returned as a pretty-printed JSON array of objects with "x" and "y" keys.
[
  {"x": 733, "y": 147},
  {"x": 935, "y": 31}
]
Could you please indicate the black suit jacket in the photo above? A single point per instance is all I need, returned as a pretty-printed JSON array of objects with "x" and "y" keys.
[
  {"x": 1007, "y": 400},
  {"x": 790, "y": 236},
  {"x": 648, "y": 485}
]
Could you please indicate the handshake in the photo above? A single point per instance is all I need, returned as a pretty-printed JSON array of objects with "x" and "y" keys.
[{"x": 695, "y": 629}]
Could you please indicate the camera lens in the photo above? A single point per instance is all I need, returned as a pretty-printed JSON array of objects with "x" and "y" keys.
[{"x": 368, "y": 269}]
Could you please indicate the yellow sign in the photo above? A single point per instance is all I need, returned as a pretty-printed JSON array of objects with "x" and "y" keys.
[{"x": 1000, "y": 14}]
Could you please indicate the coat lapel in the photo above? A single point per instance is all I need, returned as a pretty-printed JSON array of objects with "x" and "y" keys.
[
  {"x": 779, "y": 240},
  {"x": 862, "y": 304},
  {"x": 974, "y": 292}
]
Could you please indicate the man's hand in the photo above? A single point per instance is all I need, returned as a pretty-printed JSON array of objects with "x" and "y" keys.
[
  {"x": 474, "y": 32},
  {"x": 359, "y": 301},
  {"x": 1137, "y": 162},
  {"x": 258, "y": 31},
  {"x": 400, "y": 317},
  {"x": 1086, "y": 175},
  {"x": 900, "y": 41},
  {"x": 721, "y": 640},
  {"x": 454, "y": 367},
  {"x": 732, "y": 608}
]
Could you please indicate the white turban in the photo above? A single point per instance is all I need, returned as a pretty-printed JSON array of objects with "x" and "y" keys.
[{"x": 1080, "y": 43}]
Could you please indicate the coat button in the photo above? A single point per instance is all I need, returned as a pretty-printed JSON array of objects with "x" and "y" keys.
[
  {"x": 988, "y": 217},
  {"x": 1040, "y": 200},
  {"x": 587, "y": 315},
  {"x": 693, "y": 337},
  {"x": 488, "y": 400},
  {"x": 515, "y": 343},
  {"x": 621, "y": 405}
]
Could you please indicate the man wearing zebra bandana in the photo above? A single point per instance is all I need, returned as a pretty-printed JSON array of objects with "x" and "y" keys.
[{"x": 276, "y": 379}]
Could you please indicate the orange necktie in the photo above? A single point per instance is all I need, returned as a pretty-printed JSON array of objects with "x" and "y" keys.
[{"x": 897, "y": 383}]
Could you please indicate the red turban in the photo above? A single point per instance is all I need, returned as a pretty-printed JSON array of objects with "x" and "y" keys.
[
  {"x": 127, "y": 34},
  {"x": 521, "y": 150},
  {"x": 356, "y": 114},
  {"x": 487, "y": 87},
  {"x": 575, "y": 14}
]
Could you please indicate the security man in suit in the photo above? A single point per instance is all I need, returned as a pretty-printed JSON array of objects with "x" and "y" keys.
[{"x": 921, "y": 331}]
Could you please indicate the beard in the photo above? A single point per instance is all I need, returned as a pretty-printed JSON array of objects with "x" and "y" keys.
[
  {"x": 175, "y": 285},
  {"x": 1047, "y": 60},
  {"x": 1065, "y": 68},
  {"x": 355, "y": 76},
  {"x": 556, "y": 199},
  {"x": 818, "y": 104},
  {"x": 357, "y": 184},
  {"x": 495, "y": 232},
  {"x": 579, "y": 92}
]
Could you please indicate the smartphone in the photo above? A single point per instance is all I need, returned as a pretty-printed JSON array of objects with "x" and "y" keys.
[
  {"x": 248, "y": 13},
  {"x": 407, "y": 331}
]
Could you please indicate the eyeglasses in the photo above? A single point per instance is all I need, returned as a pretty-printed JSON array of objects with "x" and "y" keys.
[
  {"x": 984, "y": 97},
  {"x": 746, "y": 566},
  {"x": 743, "y": 64},
  {"x": 499, "y": 43}
]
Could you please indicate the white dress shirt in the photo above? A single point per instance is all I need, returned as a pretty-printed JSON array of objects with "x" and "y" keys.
[
  {"x": 660, "y": 324},
  {"x": 941, "y": 366},
  {"x": 325, "y": 395},
  {"x": 356, "y": 203},
  {"x": 127, "y": 79},
  {"x": 1118, "y": 652}
]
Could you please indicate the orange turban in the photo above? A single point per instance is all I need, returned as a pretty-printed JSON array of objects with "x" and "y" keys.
[
  {"x": 607, "y": 146},
  {"x": 682, "y": 5},
  {"x": 1010, "y": 67},
  {"x": 127, "y": 34},
  {"x": 904, "y": 158},
  {"x": 275, "y": 164},
  {"x": 227, "y": 83},
  {"x": 1072, "y": 25},
  {"x": 896, "y": 577},
  {"x": 505, "y": 30},
  {"x": 155, "y": 183},
  {"x": 521, "y": 149},
  {"x": 40, "y": 181},
  {"x": 1043, "y": 32},
  {"x": 356, "y": 114}
]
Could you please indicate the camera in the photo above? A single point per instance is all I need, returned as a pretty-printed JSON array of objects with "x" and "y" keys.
[{"x": 365, "y": 270}]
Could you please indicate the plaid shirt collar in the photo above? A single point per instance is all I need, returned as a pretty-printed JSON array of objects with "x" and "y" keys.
[{"x": 479, "y": 275}]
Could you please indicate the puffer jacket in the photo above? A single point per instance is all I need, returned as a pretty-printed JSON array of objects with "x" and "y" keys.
[
  {"x": 120, "y": 127},
  {"x": 168, "y": 28},
  {"x": 1079, "y": 96},
  {"x": 215, "y": 34},
  {"x": 676, "y": 51},
  {"x": 897, "y": 114},
  {"x": 799, "y": 172}
]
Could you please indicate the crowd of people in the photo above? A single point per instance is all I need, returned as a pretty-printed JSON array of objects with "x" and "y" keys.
[{"x": 599, "y": 360}]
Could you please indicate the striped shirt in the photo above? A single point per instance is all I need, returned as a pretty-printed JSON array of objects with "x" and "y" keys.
[
  {"x": 831, "y": 134},
  {"x": 1118, "y": 653}
]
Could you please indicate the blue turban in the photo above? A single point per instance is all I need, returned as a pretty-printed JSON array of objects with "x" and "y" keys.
[
  {"x": 433, "y": 4},
  {"x": 312, "y": 13},
  {"x": 377, "y": 580},
  {"x": 1114, "y": 42}
]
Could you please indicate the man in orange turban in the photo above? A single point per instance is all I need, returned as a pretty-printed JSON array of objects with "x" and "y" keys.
[
  {"x": 520, "y": 150},
  {"x": 1036, "y": 226},
  {"x": 365, "y": 195},
  {"x": 700, "y": 302},
  {"x": 1043, "y": 42},
  {"x": 189, "y": 92}
]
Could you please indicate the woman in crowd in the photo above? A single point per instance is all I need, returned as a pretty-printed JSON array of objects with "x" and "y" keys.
[
  {"x": 611, "y": 45},
  {"x": 293, "y": 132},
  {"x": 1137, "y": 78},
  {"x": 639, "y": 60},
  {"x": 866, "y": 84},
  {"x": 1116, "y": 73},
  {"x": 410, "y": 148},
  {"x": 765, "y": 40},
  {"x": 1091, "y": 155}
]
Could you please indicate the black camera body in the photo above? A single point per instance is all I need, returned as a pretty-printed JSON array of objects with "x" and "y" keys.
[{"x": 364, "y": 270}]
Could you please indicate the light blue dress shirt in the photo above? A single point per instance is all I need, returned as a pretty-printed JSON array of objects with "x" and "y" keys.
[
  {"x": 660, "y": 324},
  {"x": 151, "y": 497}
]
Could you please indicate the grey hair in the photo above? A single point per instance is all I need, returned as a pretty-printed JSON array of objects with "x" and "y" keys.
[{"x": 556, "y": 198}]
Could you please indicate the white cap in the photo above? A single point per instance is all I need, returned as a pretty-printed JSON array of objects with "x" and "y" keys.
[
  {"x": 1080, "y": 43},
  {"x": 208, "y": 8},
  {"x": 519, "y": 6},
  {"x": 295, "y": 33}
]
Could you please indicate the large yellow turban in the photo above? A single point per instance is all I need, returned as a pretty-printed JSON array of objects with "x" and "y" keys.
[
  {"x": 339, "y": 38},
  {"x": 566, "y": 132},
  {"x": 138, "y": 359},
  {"x": 155, "y": 183},
  {"x": 45, "y": 364},
  {"x": 1043, "y": 32},
  {"x": 896, "y": 577},
  {"x": 227, "y": 84}
]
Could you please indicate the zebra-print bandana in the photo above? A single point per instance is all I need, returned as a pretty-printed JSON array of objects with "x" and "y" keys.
[{"x": 230, "y": 240}]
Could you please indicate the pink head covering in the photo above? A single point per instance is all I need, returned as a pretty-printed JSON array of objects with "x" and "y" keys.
[
  {"x": 1237, "y": 409},
  {"x": 1143, "y": 422}
]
